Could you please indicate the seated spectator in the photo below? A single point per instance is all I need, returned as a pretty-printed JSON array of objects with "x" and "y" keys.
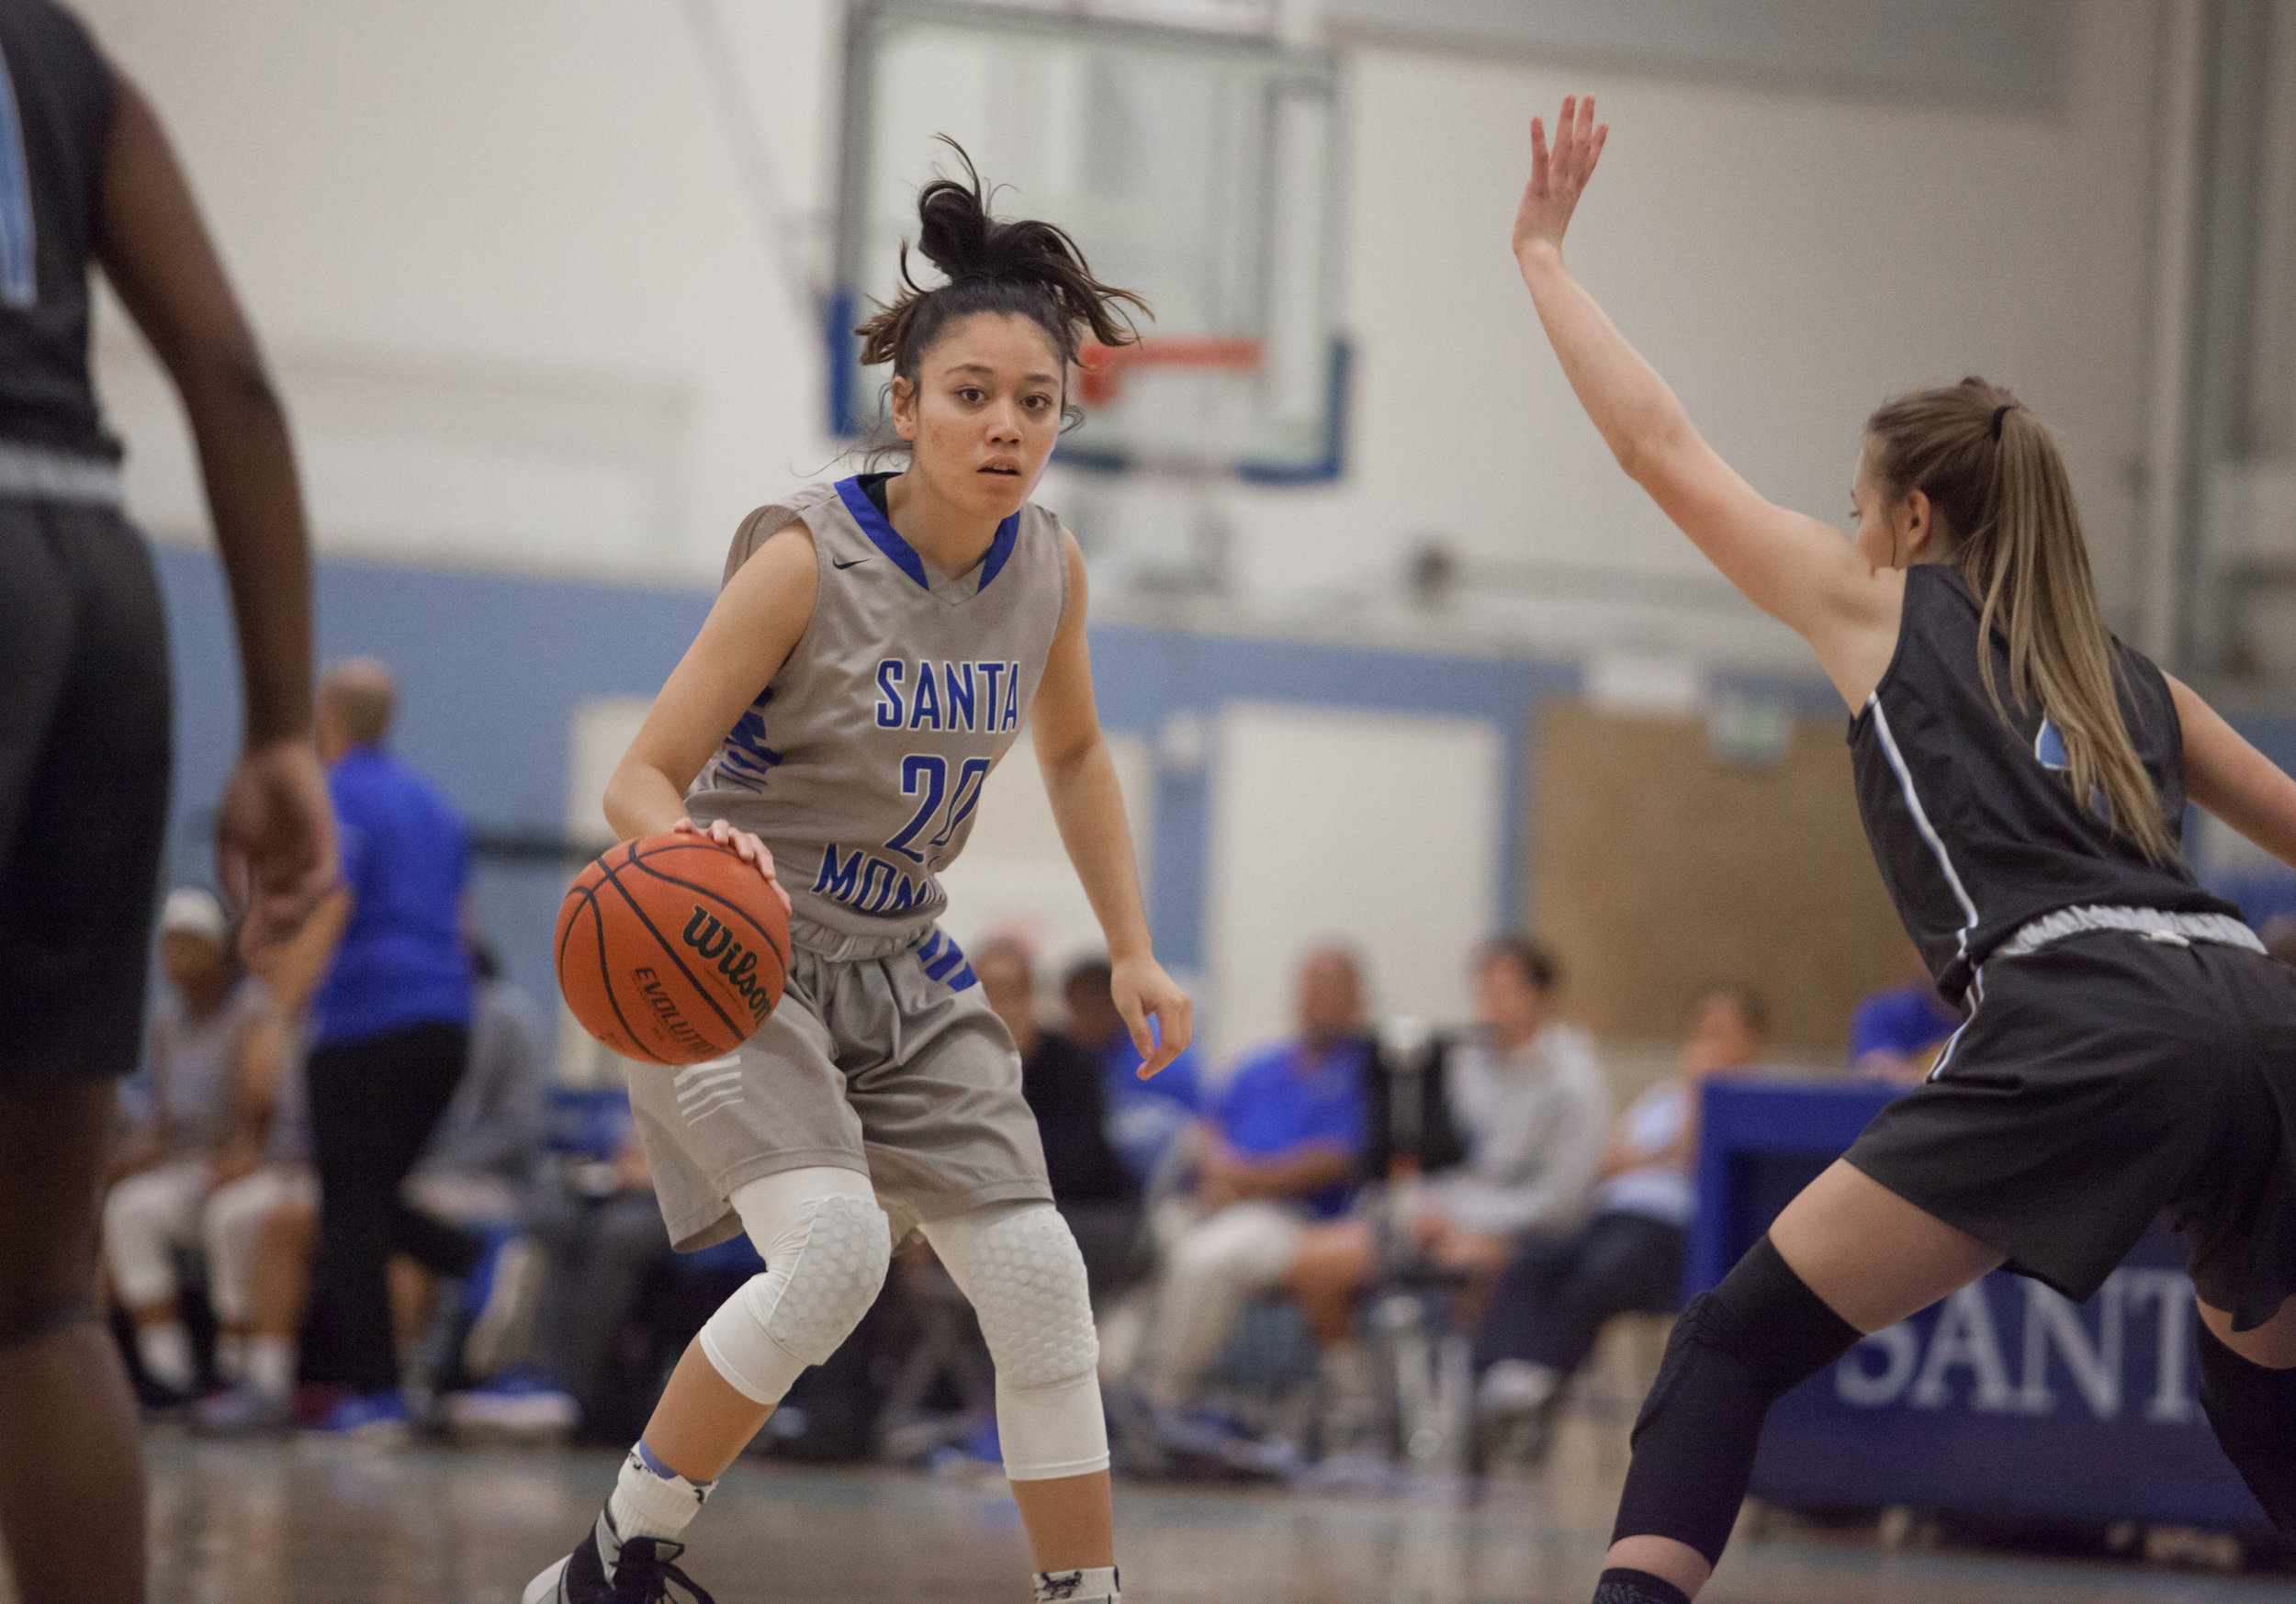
[
  {"x": 1145, "y": 1118},
  {"x": 263, "y": 1221},
  {"x": 601, "y": 1235},
  {"x": 1528, "y": 1100},
  {"x": 478, "y": 1167},
  {"x": 210, "y": 1023},
  {"x": 1895, "y": 1034},
  {"x": 478, "y": 1172},
  {"x": 1094, "y": 1191},
  {"x": 1557, "y": 1292},
  {"x": 1275, "y": 1155}
]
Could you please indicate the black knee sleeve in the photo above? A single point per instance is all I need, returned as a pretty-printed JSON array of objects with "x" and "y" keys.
[
  {"x": 2252, "y": 1409},
  {"x": 1734, "y": 1353}
]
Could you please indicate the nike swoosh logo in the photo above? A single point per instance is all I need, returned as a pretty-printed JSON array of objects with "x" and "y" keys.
[{"x": 855, "y": 562}]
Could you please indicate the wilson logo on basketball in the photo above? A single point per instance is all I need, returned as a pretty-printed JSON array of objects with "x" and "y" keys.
[{"x": 715, "y": 944}]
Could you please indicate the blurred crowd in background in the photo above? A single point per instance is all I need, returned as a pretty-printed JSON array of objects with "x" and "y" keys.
[{"x": 352, "y": 1198}]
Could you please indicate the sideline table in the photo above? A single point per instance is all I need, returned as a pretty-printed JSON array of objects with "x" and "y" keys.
[{"x": 2005, "y": 1399}]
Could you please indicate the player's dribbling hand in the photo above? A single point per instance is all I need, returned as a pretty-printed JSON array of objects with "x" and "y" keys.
[
  {"x": 274, "y": 841},
  {"x": 1559, "y": 177},
  {"x": 1141, "y": 988},
  {"x": 751, "y": 849}
]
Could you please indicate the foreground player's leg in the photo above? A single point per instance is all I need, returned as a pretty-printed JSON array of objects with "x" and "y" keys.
[
  {"x": 1847, "y": 1258},
  {"x": 1019, "y": 1265},
  {"x": 826, "y": 1245},
  {"x": 70, "y": 1478},
  {"x": 2249, "y": 1390}
]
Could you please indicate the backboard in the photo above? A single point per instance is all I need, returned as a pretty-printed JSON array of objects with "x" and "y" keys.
[{"x": 1199, "y": 167}]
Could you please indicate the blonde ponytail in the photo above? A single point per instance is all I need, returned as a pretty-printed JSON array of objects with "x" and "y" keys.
[{"x": 1992, "y": 471}]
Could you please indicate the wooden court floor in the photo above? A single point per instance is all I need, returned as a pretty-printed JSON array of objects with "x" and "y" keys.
[{"x": 313, "y": 1522}]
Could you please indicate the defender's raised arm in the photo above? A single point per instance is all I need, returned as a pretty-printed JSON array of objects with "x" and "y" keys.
[{"x": 1798, "y": 570}]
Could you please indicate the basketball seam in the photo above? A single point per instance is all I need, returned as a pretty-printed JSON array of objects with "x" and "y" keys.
[
  {"x": 779, "y": 955},
  {"x": 606, "y": 976},
  {"x": 701, "y": 987},
  {"x": 589, "y": 900}
]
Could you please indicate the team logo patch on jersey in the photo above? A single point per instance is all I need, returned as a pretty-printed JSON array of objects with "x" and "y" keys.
[
  {"x": 2049, "y": 751},
  {"x": 2049, "y": 748}
]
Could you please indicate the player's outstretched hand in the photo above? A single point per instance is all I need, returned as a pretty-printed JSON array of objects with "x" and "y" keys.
[
  {"x": 1141, "y": 988},
  {"x": 275, "y": 840},
  {"x": 752, "y": 850},
  {"x": 1559, "y": 177}
]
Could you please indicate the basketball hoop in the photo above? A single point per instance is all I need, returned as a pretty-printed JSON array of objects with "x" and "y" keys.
[{"x": 1104, "y": 365}]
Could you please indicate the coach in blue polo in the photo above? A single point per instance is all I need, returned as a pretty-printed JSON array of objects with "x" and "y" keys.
[{"x": 390, "y": 1027}]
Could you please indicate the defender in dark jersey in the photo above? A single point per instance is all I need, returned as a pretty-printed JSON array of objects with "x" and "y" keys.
[
  {"x": 87, "y": 177},
  {"x": 2127, "y": 1047}
]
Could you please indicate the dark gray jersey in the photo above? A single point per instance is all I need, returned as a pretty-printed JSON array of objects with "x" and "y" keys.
[{"x": 861, "y": 764}]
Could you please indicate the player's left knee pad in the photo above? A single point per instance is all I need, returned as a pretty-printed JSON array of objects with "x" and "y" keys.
[
  {"x": 2252, "y": 1409},
  {"x": 1020, "y": 1266},
  {"x": 1734, "y": 1352}
]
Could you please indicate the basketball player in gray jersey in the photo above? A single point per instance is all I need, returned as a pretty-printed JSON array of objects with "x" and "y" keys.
[{"x": 876, "y": 648}]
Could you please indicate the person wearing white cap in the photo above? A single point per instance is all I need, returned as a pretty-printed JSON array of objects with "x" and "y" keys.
[{"x": 209, "y": 1020}]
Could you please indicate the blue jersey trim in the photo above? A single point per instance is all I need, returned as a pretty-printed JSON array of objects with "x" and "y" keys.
[
  {"x": 1000, "y": 550},
  {"x": 888, "y": 539}
]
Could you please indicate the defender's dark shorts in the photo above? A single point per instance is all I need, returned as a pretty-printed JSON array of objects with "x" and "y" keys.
[
  {"x": 85, "y": 750},
  {"x": 2099, "y": 1082}
]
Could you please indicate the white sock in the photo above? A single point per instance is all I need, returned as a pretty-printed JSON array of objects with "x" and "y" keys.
[
  {"x": 230, "y": 1356},
  {"x": 166, "y": 1350},
  {"x": 652, "y": 1500},
  {"x": 1093, "y": 1586},
  {"x": 271, "y": 1365}
]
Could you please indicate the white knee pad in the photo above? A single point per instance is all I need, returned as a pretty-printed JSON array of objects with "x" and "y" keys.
[
  {"x": 1020, "y": 1266},
  {"x": 826, "y": 1245}
]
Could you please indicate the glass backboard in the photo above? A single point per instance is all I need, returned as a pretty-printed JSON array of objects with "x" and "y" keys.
[{"x": 1198, "y": 167}]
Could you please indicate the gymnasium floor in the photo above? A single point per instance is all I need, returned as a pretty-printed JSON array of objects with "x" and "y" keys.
[{"x": 328, "y": 1523}]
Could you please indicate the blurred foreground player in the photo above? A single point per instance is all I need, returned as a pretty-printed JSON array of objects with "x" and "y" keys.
[
  {"x": 2022, "y": 777},
  {"x": 875, "y": 650},
  {"x": 85, "y": 178}
]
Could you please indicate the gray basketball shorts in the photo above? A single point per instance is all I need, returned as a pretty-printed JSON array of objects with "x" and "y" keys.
[{"x": 890, "y": 1063}]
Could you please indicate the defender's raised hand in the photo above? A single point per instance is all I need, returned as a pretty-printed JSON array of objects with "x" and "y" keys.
[{"x": 1559, "y": 177}]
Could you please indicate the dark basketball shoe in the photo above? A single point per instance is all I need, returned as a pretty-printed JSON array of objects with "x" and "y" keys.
[{"x": 611, "y": 1570}]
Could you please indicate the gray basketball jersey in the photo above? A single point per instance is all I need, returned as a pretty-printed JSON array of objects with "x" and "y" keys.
[{"x": 861, "y": 763}]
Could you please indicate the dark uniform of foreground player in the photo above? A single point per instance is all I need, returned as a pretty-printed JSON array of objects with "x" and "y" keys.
[
  {"x": 86, "y": 176},
  {"x": 2128, "y": 1048}
]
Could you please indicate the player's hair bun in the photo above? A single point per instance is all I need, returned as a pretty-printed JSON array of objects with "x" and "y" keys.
[{"x": 1021, "y": 265}]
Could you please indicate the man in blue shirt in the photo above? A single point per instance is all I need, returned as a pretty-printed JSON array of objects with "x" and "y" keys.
[
  {"x": 390, "y": 1028},
  {"x": 1895, "y": 1035},
  {"x": 1278, "y": 1153},
  {"x": 1143, "y": 1118}
]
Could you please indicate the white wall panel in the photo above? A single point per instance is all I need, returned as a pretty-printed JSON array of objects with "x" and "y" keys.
[{"x": 1379, "y": 829}]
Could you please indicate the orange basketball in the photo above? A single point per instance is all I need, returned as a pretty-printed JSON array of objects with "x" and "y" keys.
[{"x": 671, "y": 949}]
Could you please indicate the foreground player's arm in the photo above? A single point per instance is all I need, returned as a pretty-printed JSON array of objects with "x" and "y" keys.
[
  {"x": 1796, "y": 569},
  {"x": 274, "y": 833},
  {"x": 2234, "y": 780},
  {"x": 1080, "y": 781},
  {"x": 749, "y": 633}
]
